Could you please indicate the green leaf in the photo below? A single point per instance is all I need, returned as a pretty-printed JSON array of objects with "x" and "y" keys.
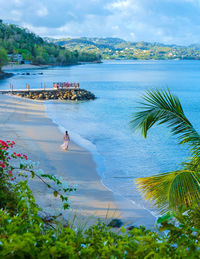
[
  {"x": 33, "y": 174},
  {"x": 171, "y": 190},
  {"x": 167, "y": 216},
  {"x": 176, "y": 189},
  {"x": 65, "y": 206},
  {"x": 55, "y": 193},
  {"x": 161, "y": 107}
]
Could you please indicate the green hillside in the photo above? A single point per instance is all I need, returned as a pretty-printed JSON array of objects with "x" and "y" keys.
[
  {"x": 115, "y": 48},
  {"x": 18, "y": 41}
]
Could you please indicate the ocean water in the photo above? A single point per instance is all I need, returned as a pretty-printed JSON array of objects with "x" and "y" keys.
[{"x": 103, "y": 126}]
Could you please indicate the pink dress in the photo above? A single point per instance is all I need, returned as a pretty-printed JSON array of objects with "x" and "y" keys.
[{"x": 66, "y": 142}]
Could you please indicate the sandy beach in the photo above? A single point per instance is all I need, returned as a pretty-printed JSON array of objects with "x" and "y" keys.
[
  {"x": 25, "y": 122},
  {"x": 9, "y": 67}
]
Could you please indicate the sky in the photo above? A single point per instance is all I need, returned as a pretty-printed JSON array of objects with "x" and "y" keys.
[{"x": 165, "y": 21}]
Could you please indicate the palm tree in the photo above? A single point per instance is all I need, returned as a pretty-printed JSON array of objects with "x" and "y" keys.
[{"x": 177, "y": 189}]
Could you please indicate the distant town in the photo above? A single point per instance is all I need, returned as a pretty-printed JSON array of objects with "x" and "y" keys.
[{"x": 115, "y": 48}]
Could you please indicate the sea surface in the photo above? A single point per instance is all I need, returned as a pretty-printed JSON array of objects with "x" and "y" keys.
[{"x": 103, "y": 126}]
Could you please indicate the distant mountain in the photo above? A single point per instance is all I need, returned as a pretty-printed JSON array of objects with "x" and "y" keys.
[{"x": 115, "y": 48}]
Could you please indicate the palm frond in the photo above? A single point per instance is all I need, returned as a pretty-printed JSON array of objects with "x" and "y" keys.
[
  {"x": 171, "y": 190},
  {"x": 161, "y": 107}
]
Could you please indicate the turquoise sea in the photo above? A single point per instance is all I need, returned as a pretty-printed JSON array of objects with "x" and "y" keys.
[{"x": 102, "y": 126}]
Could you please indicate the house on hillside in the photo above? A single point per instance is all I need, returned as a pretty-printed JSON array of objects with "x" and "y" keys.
[{"x": 17, "y": 59}]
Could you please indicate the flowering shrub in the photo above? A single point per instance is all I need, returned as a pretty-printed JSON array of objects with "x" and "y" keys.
[
  {"x": 14, "y": 164},
  {"x": 23, "y": 234}
]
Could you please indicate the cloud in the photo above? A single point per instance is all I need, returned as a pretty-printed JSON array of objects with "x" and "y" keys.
[
  {"x": 120, "y": 4},
  {"x": 168, "y": 21},
  {"x": 42, "y": 11}
]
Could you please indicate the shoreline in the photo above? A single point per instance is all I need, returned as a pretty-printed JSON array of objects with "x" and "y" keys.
[
  {"x": 17, "y": 67},
  {"x": 26, "y": 122},
  {"x": 30, "y": 66},
  {"x": 130, "y": 212},
  {"x": 22, "y": 66}
]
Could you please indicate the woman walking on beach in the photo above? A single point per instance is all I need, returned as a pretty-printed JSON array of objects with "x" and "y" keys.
[{"x": 64, "y": 146}]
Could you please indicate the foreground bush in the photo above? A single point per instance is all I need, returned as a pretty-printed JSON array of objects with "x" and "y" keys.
[{"x": 24, "y": 234}]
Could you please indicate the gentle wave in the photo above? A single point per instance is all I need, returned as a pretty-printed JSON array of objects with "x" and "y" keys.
[{"x": 79, "y": 140}]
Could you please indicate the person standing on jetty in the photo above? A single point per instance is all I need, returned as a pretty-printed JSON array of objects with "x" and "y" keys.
[{"x": 64, "y": 146}]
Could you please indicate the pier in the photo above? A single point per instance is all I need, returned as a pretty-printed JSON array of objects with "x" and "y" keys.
[
  {"x": 15, "y": 91},
  {"x": 71, "y": 91}
]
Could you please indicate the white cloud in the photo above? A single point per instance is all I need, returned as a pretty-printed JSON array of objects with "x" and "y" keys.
[
  {"x": 16, "y": 15},
  {"x": 42, "y": 11},
  {"x": 18, "y": 2},
  {"x": 173, "y": 21},
  {"x": 121, "y": 4},
  {"x": 121, "y": 7},
  {"x": 132, "y": 36},
  {"x": 115, "y": 27},
  {"x": 37, "y": 30}
]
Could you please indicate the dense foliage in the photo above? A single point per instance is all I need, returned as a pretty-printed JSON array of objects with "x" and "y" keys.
[
  {"x": 25, "y": 234},
  {"x": 16, "y": 40},
  {"x": 114, "y": 48}
]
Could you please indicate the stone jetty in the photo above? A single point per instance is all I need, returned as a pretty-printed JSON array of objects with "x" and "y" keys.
[{"x": 53, "y": 94}]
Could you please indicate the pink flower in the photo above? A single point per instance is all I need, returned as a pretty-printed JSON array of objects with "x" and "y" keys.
[
  {"x": 2, "y": 164},
  {"x": 25, "y": 157},
  {"x": 3, "y": 143}
]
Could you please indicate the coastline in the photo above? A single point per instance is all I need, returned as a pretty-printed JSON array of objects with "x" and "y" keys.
[
  {"x": 22, "y": 66},
  {"x": 30, "y": 66},
  {"x": 25, "y": 122}
]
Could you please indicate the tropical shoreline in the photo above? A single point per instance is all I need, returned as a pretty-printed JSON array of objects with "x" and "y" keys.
[
  {"x": 22, "y": 66},
  {"x": 10, "y": 67},
  {"x": 25, "y": 122}
]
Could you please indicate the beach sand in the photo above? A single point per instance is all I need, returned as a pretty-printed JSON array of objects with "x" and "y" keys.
[
  {"x": 9, "y": 67},
  {"x": 25, "y": 122}
]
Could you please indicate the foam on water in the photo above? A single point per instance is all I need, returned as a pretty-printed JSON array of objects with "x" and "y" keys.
[{"x": 78, "y": 139}]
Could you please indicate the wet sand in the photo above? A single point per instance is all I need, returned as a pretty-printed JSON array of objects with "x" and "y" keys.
[{"x": 21, "y": 66}]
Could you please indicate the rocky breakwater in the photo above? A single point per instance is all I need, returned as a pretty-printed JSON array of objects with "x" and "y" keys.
[{"x": 62, "y": 94}]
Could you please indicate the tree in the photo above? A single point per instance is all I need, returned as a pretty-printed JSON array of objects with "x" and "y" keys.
[
  {"x": 3, "y": 57},
  {"x": 177, "y": 189}
]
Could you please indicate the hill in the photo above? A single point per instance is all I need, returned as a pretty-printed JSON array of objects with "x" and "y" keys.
[
  {"x": 18, "y": 42},
  {"x": 115, "y": 48}
]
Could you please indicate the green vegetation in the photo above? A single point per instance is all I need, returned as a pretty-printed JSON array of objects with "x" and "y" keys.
[
  {"x": 3, "y": 57},
  {"x": 19, "y": 43},
  {"x": 114, "y": 48},
  {"x": 25, "y": 234},
  {"x": 177, "y": 189}
]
